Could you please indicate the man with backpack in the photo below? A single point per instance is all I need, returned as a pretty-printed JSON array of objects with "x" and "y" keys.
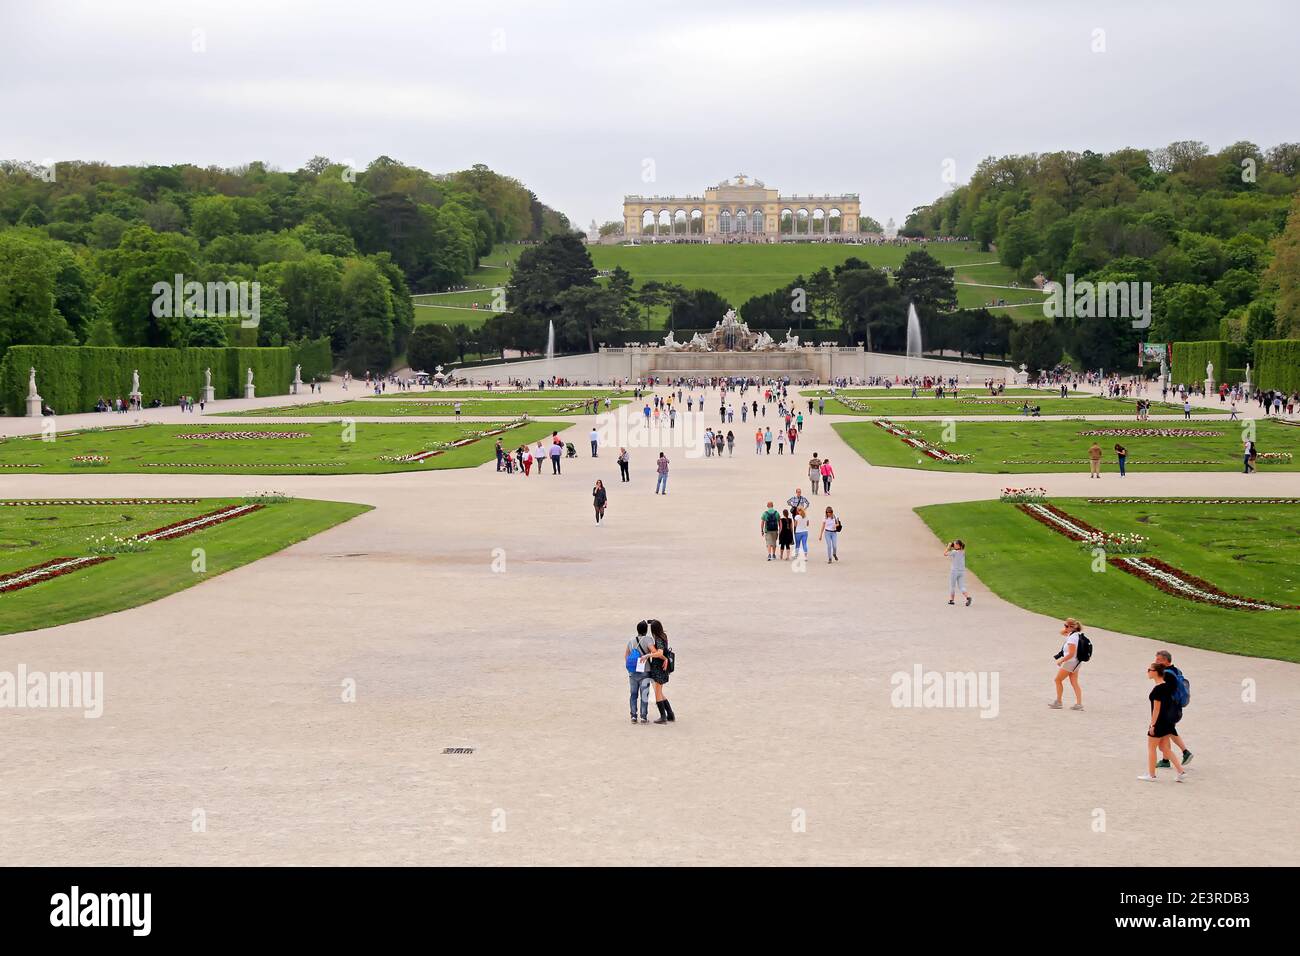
[
  {"x": 1182, "y": 696},
  {"x": 638, "y": 673},
  {"x": 769, "y": 524},
  {"x": 1076, "y": 650}
]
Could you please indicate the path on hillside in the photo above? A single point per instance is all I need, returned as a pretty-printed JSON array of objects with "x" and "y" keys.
[{"x": 226, "y": 697}]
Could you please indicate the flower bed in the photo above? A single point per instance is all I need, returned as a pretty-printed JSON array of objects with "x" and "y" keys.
[
  {"x": 55, "y": 567},
  {"x": 239, "y": 436},
  {"x": 1274, "y": 456},
  {"x": 89, "y": 459},
  {"x": 1194, "y": 501},
  {"x": 1150, "y": 433},
  {"x": 1076, "y": 529},
  {"x": 1106, "y": 461},
  {"x": 852, "y": 404},
  {"x": 116, "y": 544},
  {"x": 12, "y": 465},
  {"x": 416, "y": 457},
  {"x": 1179, "y": 583},
  {"x": 442, "y": 446},
  {"x": 1113, "y": 542},
  {"x": 1023, "y": 494},
  {"x": 190, "y": 525},
  {"x": 920, "y": 443},
  {"x": 233, "y": 465}
]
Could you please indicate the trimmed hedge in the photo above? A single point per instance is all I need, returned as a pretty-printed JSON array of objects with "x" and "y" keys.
[
  {"x": 314, "y": 356},
  {"x": 1277, "y": 364},
  {"x": 72, "y": 378},
  {"x": 1236, "y": 376},
  {"x": 1190, "y": 357}
]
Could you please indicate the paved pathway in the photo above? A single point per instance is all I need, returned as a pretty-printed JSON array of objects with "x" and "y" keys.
[{"x": 226, "y": 698}]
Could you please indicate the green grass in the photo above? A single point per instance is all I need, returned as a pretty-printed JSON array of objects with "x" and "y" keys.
[
  {"x": 464, "y": 394},
  {"x": 904, "y": 391},
  {"x": 427, "y": 407},
  {"x": 975, "y": 404},
  {"x": 1249, "y": 550},
  {"x": 324, "y": 451},
  {"x": 1035, "y": 445},
  {"x": 33, "y": 534}
]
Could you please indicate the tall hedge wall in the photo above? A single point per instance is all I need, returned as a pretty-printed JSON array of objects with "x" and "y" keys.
[
  {"x": 1190, "y": 357},
  {"x": 1277, "y": 364},
  {"x": 72, "y": 378},
  {"x": 315, "y": 358}
]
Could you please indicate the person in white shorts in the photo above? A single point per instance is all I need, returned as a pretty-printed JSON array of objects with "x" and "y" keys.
[
  {"x": 956, "y": 553},
  {"x": 1068, "y": 664}
]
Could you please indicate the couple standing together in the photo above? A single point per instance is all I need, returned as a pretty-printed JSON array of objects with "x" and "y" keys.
[{"x": 649, "y": 660}]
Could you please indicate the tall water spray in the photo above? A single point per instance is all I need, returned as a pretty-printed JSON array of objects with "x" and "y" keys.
[
  {"x": 913, "y": 336},
  {"x": 550, "y": 349}
]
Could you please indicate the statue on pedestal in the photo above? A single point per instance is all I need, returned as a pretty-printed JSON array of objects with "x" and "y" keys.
[
  {"x": 31, "y": 384},
  {"x": 207, "y": 378},
  {"x": 791, "y": 341},
  {"x": 135, "y": 382}
]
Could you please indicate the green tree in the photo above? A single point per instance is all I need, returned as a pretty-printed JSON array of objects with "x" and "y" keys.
[
  {"x": 431, "y": 345},
  {"x": 29, "y": 314},
  {"x": 1036, "y": 345}
]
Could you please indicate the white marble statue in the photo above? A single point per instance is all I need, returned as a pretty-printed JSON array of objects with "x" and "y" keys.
[
  {"x": 297, "y": 373},
  {"x": 207, "y": 378},
  {"x": 250, "y": 376},
  {"x": 791, "y": 341},
  {"x": 763, "y": 342},
  {"x": 135, "y": 382},
  {"x": 31, "y": 384},
  {"x": 699, "y": 343},
  {"x": 1209, "y": 371},
  {"x": 671, "y": 343}
]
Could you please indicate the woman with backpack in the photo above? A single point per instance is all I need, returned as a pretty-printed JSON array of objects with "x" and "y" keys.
[
  {"x": 1075, "y": 651},
  {"x": 830, "y": 532},
  {"x": 1163, "y": 726},
  {"x": 662, "y": 663}
]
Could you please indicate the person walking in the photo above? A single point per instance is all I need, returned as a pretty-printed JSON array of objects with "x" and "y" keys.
[
  {"x": 622, "y": 464},
  {"x": 767, "y": 439},
  {"x": 637, "y": 663},
  {"x": 780, "y": 441},
  {"x": 599, "y": 498},
  {"x": 1069, "y": 662},
  {"x": 1182, "y": 696},
  {"x": 801, "y": 532},
  {"x": 731, "y": 442},
  {"x": 1163, "y": 726},
  {"x": 797, "y": 501},
  {"x": 769, "y": 526},
  {"x": 595, "y": 438},
  {"x": 828, "y": 475},
  {"x": 758, "y": 442},
  {"x": 956, "y": 554},
  {"x": 1121, "y": 455},
  {"x": 815, "y": 472},
  {"x": 792, "y": 434},
  {"x": 830, "y": 532},
  {"x": 661, "y": 474},
  {"x": 557, "y": 447},
  {"x": 785, "y": 535},
  {"x": 1248, "y": 456},
  {"x": 501, "y": 453},
  {"x": 1094, "y": 461},
  {"x": 526, "y": 460},
  {"x": 662, "y": 663},
  {"x": 539, "y": 457}
]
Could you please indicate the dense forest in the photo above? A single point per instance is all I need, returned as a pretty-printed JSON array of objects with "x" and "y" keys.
[
  {"x": 1217, "y": 234},
  {"x": 336, "y": 252}
]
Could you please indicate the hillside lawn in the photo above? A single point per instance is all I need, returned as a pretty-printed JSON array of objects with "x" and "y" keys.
[
  {"x": 1249, "y": 550},
  {"x": 444, "y": 407},
  {"x": 34, "y": 534},
  {"x": 1002, "y": 405}
]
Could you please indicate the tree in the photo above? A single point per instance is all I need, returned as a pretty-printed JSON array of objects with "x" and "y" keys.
[
  {"x": 463, "y": 336},
  {"x": 1185, "y": 312},
  {"x": 821, "y": 296},
  {"x": 926, "y": 283},
  {"x": 367, "y": 318},
  {"x": 1282, "y": 278},
  {"x": 871, "y": 308},
  {"x": 212, "y": 216},
  {"x": 430, "y": 345},
  {"x": 585, "y": 310},
  {"x": 205, "y": 332},
  {"x": 1036, "y": 345},
  {"x": 622, "y": 287},
  {"x": 29, "y": 314},
  {"x": 542, "y": 273},
  {"x": 142, "y": 259}
]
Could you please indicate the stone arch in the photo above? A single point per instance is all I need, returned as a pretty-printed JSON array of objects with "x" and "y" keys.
[
  {"x": 818, "y": 223},
  {"x": 785, "y": 224},
  {"x": 742, "y": 220},
  {"x": 756, "y": 223},
  {"x": 724, "y": 221},
  {"x": 664, "y": 222},
  {"x": 835, "y": 220},
  {"x": 802, "y": 221},
  {"x": 697, "y": 222},
  {"x": 680, "y": 223},
  {"x": 647, "y": 221}
]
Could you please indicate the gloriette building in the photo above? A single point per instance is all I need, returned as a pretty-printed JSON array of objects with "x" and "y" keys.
[{"x": 741, "y": 209}]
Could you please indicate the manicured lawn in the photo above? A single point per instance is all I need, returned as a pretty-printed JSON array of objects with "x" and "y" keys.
[
  {"x": 975, "y": 404},
  {"x": 32, "y": 534},
  {"x": 500, "y": 407},
  {"x": 322, "y": 449},
  {"x": 1247, "y": 550},
  {"x": 465, "y": 394},
  {"x": 1035, "y": 445},
  {"x": 904, "y": 391},
  {"x": 472, "y": 318}
]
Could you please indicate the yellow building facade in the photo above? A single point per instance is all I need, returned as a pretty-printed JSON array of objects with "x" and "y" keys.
[{"x": 741, "y": 209}]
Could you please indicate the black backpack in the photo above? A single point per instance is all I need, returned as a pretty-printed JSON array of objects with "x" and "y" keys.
[
  {"x": 671, "y": 656},
  {"x": 1084, "y": 652},
  {"x": 772, "y": 521}
]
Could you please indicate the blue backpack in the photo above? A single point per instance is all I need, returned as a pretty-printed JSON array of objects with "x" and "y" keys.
[
  {"x": 630, "y": 661},
  {"x": 1182, "y": 689}
]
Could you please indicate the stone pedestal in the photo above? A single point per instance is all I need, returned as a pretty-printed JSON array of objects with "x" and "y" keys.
[
  {"x": 35, "y": 405},
  {"x": 209, "y": 395},
  {"x": 250, "y": 391},
  {"x": 137, "y": 399},
  {"x": 1209, "y": 387},
  {"x": 293, "y": 387}
]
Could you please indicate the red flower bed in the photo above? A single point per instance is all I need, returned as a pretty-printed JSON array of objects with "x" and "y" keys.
[
  {"x": 1199, "y": 584},
  {"x": 1078, "y": 522},
  {"x": 54, "y": 568},
  {"x": 178, "y": 529},
  {"x": 51, "y": 502}
]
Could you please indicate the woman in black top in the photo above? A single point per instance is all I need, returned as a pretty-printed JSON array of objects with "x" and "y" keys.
[
  {"x": 659, "y": 672},
  {"x": 1165, "y": 714},
  {"x": 785, "y": 533},
  {"x": 598, "y": 499}
]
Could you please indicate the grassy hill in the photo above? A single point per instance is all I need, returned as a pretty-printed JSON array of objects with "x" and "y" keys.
[{"x": 738, "y": 272}]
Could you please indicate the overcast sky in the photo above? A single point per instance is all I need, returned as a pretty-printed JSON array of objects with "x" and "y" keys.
[{"x": 574, "y": 98}]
